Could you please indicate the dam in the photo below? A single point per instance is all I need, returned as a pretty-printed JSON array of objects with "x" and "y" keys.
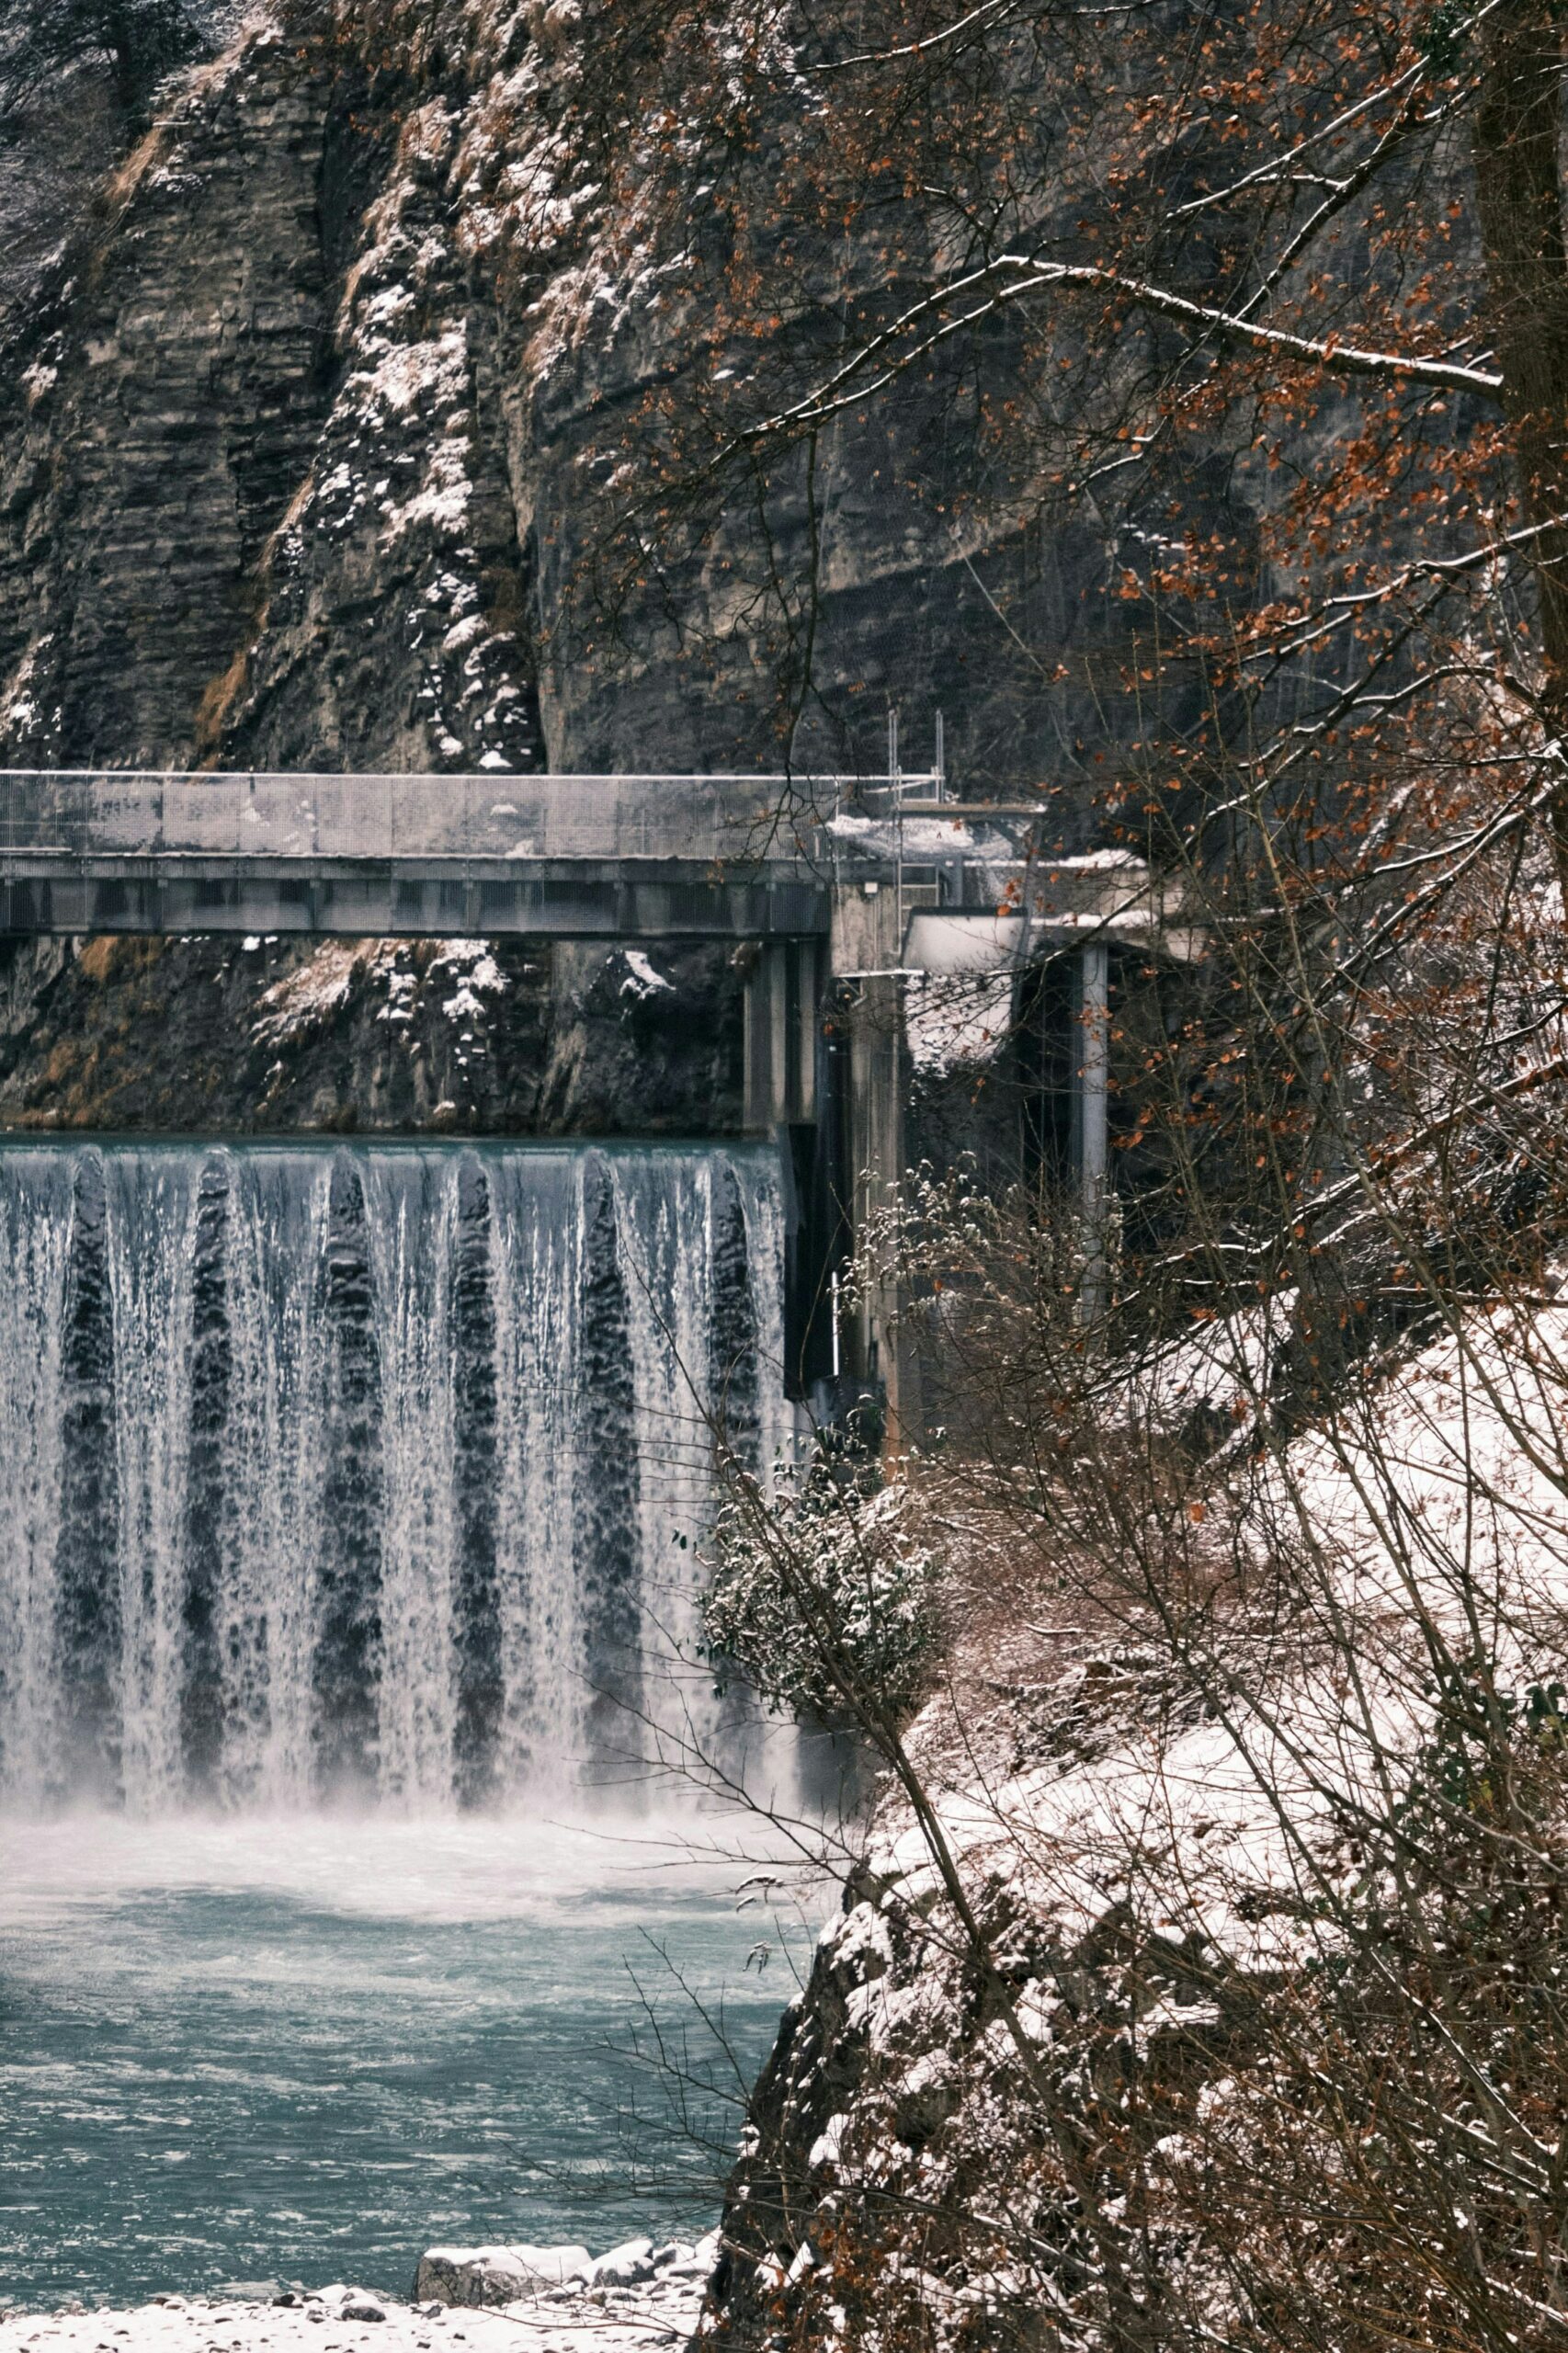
[{"x": 840, "y": 894}]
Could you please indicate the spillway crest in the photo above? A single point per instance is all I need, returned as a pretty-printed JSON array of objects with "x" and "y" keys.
[{"x": 372, "y": 1471}]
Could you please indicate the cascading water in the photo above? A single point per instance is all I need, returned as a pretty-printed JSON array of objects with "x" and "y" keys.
[{"x": 342, "y": 1470}]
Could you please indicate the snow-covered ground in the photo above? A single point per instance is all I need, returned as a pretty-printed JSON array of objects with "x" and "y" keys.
[
  {"x": 586, "y": 2314},
  {"x": 1425, "y": 1521}
]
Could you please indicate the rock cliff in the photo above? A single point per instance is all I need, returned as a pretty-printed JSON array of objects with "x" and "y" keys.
[
  {"x": 298, "y": 463},
  {"x": 459, "y": 1036},
  {"x": 309, "y": 443}
]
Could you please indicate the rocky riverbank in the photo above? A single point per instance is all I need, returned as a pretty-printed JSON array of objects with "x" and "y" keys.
[{"x": 636, "y": 2298}]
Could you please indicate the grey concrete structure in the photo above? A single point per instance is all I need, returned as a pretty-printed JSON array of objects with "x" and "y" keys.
[{"x": 570, "y": 858}]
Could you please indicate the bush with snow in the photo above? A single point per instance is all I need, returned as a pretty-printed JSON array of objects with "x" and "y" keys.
[{"x": 822, "y": 1591}]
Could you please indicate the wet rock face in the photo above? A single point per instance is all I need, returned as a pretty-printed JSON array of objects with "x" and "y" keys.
[
  {"x": 163, "y": 401},
  {"x": 396, "y": 633},
  {"x": 253, "y": 509},
  {"x": 456, "y": 1036}
]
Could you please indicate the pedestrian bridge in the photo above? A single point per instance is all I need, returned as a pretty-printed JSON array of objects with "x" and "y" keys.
[
  {"x": 565, "y": 857},
  {"x": 623, "y": 858}
]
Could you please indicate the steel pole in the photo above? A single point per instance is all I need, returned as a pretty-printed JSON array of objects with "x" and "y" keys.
[{"x": 1094, "y": 1083}]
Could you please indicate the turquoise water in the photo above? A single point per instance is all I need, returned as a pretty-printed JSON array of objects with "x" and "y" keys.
[{"x": 254, "y": 2051}]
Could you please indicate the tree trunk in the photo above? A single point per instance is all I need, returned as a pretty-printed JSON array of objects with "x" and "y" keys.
[{"x": 1519, "y": 197}]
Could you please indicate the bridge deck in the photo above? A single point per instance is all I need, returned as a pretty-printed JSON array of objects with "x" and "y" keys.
[{"x": 572, "y": 856}]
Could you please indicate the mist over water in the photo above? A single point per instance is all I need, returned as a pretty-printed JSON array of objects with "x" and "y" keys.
[{"x": 336, "y": 1474}]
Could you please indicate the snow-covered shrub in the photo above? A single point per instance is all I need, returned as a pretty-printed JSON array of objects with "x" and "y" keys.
[{"x": 822, "y": 1599}]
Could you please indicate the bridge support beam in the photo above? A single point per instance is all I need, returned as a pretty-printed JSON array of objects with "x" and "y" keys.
[{"x": 784, "y": 991}]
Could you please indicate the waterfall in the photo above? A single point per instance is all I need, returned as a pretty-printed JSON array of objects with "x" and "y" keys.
[{"x": 367, "y": 1470}]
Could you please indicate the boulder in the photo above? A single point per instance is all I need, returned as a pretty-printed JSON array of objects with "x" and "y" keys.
[
  {"x": 495, "y": 2274},
  {"x": 341, "y": 2302},
  {"x": 679, "y": 2262},
  {"x": 627, "y": 2265}
]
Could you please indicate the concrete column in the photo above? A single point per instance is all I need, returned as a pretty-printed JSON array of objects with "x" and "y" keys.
[
  {"x": 1093, "y": 1088},
  {"x": 776, "y": 960},
  {"x": 865, "y": 950},
  {"x": 806, "y": 1013},
  {"x": 782, "y": 1009},
  {"x": 764, "y": 1081}
]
